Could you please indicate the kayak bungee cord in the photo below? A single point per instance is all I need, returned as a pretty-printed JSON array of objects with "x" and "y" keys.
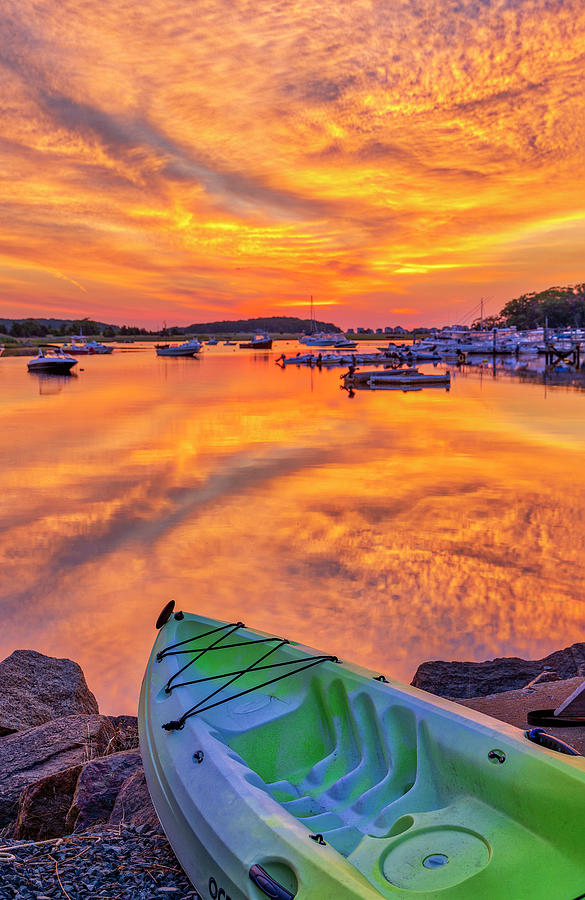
[
  {"x": 202, "y": 650},
  {"x": 227, "y": 630}
]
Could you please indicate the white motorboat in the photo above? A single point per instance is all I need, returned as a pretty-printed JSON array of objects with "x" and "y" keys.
[
  {"x": 344, "y": 344},
  {"x": 52, "y": 360},
  {"x": 81, "y": 346},
  {"x": 188, "y": 348},
  {"x": 320, "y": 339}
]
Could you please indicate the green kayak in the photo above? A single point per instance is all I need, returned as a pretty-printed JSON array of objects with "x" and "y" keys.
[{"x": 279, "y": 771}]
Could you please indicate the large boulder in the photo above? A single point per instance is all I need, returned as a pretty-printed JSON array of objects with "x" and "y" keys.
[
  {"x": 28, "y": 756},
  {"x": 43, "y": 806},
  {"x": 35, "y": 688},
  {"x": 133, "y": 805},
  {"x": 471, "y": 679},
  {"x": 98, "y": 786}
]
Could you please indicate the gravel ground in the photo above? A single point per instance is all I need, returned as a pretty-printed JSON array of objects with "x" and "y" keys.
[{"x": 109, "y": 863}]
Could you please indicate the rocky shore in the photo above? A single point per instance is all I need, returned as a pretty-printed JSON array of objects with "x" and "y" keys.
[{"x": 76, "y": 820}]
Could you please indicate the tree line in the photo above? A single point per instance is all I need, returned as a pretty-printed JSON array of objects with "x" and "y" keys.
[
  {"x": 26, "y": 328},
  {"x": 559, "y": 307}
]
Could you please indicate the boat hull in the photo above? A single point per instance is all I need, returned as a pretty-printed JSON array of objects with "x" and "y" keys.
[
  {"x": 60, "y": 367},
  {"x": 176, "y": 353},
  {"x": 343, "y": 787},
  {"x": 257, "y": 345}
]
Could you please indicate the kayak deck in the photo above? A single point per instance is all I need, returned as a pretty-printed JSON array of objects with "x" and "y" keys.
[{"x": 415, "y": 793}]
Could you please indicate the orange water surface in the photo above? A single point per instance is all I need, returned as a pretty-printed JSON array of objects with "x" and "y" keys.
[{"x": 388, "y": 529}]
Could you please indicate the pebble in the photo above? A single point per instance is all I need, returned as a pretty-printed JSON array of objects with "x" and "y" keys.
[{"x": 126, "y": 863}]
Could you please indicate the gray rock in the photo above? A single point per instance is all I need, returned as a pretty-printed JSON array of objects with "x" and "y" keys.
[
  {"x": 43, "y": 806},
  {"x": 126, "y": 733},
  {"x": 98, "y": 786},
  {"x": 470, "y": 679},
  {"x": 35, "y": 688},
  {"x": 133, "y": 804},
  {"x": 27, "y": 756}
]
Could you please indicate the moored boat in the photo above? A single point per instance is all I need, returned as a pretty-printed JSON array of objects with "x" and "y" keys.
[
  {"x": 400, "y": 377},
  {"x": 51, "y": 359},
  {"x": 260, "y": 341},
  {"x": 280, "y": 771},
  {"x": 81, "y": 346},
  {"x": 188, "y": 348},
  {"x": 364, "y": 377}
]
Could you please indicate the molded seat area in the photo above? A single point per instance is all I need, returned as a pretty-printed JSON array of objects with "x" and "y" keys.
[
  {"x": 384, "y": 792},
  {"x": 333, "y": 762}
]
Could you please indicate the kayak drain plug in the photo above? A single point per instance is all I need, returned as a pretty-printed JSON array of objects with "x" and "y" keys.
[{"x": 435, "y": 861}]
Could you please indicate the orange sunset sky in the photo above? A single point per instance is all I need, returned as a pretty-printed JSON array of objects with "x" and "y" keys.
[{"x": 191, "y": 161}]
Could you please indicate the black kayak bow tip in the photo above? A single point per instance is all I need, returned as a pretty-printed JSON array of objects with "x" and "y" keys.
[{"x": 165, "y": 614}]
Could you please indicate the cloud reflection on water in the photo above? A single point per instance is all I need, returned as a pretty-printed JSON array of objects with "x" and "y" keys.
[{"x": 389, "y": 530}]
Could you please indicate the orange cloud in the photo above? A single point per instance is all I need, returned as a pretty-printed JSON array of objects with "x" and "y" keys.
[{"x": 230, "y": 163}]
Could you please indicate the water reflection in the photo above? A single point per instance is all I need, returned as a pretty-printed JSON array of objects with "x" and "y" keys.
[
  {"x": 388, "y": 531},
  {"x": 52, "y": 384}
]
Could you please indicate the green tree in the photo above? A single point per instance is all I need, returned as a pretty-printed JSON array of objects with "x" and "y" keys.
[
  {"x": 28, "y": 328},
  {"x": 560, "y": 306},
  {"x": 87, "y": 327}
]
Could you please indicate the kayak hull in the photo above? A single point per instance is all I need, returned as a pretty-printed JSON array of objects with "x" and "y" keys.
[{"x": 343, "y": 787}]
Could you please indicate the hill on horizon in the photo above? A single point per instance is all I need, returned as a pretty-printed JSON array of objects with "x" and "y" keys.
[{"x": 274, "y": 324}]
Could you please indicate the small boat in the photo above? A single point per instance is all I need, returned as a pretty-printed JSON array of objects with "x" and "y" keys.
[
  {"x": 81, "y": 346},
  {"x": 364, "y": 377},
  {"x": 1, "y": 349},
  {"x": 188, "y": 348},
  {"x": 230, "y": 343},
  {"x": 396, "y": 376},
  {"x": 260, "y": 341},
  {"x": 299, "y": 360},
  {"x": 52, "y": 359},
  {"x": 281, "y": 771},
  {"x": 211, "y": 341},
  {"x": 99, "y": 349},
  {"x": 344, "y": 344},
  {"x": 399, "y": 377}
]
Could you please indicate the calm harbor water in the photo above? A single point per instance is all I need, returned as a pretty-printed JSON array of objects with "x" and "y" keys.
[{"x": 389, "y": 528}]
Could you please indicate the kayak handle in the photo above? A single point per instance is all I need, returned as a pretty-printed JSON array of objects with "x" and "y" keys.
[
  {"x": 268, "y": 885},
  {"x": 542, "y": 737}
]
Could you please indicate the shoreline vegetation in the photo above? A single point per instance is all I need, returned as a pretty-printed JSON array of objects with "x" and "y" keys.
[
  {"x": 76, "y": 818},
  {"x": 555, "y": 307}
]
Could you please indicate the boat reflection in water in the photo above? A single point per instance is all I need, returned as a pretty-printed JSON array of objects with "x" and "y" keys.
[{"x": 51, "y": 383}]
